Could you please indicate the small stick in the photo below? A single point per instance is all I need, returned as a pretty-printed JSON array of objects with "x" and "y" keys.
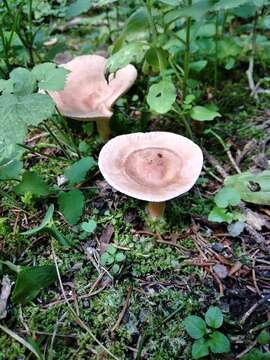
[
  {"x": 254, "y": 307},
  {"x": 122, "y": 313}
]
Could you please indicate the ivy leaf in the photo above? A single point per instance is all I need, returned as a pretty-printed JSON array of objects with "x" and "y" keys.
[
  {"x": 214, "y": 317},
  {"x": 227, "y": 196},
  {"x": 32, "y": 183},
  {"x": 195, "y": 326},
  {"x": 19, "y": 112},
  {"x": 71, "y": 204},
  {"x": 219, "y": 343},
  {"x": 76, "y": 173},
  {"x": 220, "y": 215},
  {"x": 253, "y": 188},
  {"x": 199, "y": 349},
  {"x": 50, "y": 77},
  {"x": 201, "y": 113},
  {"x": 161, "y": 96},
  {"x": 31, "y": 280}
]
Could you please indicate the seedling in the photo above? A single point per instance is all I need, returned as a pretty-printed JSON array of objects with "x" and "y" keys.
[
  {"x": 112, "y": 258},
  {"x": 207, "y": 339}
]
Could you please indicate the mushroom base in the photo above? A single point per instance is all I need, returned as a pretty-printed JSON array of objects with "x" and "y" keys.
[
  {"x": 103, "y": 128},
  {"x": 156, "y": 210}
]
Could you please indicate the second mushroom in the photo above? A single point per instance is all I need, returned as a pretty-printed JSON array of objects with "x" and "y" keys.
[
  {"x": 87, "y": 95},
  {"x": 154, "y": 166}
]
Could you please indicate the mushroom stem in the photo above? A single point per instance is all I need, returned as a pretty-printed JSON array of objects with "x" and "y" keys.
[
  {"x": 103, "y": 128},
  {"x": 156, "y": 209}
]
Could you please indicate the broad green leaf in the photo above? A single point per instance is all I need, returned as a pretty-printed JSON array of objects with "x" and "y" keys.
[
  {"x": 195, "y": 326},
  {"x": 202, "y": 113},
  {"x": 195, "y": 11},
  {"x": 227, "y": 196},
  {"x": 106, "y": 259},
  {"x": 23, "y": 81},
  {"x": 30, "y": 281},
  {"x": 153, "y": 57},
  {"x": 111, "y": 249},
  {"x": 78, "y": 7},
  {"x": 6, "y": 86},
  {"x": 77, "y": 172},
  {"x": 198, "y": 65},
  {"x": 220, "y": 215},
  {"x": 33, "y": 183},
  {"x": 236, "y": 228},
  {"x": 133, "y": 52},
  {"x": 199, "y": 349},
  {"x": 10, "y": 170},
  {"x": 253, "y": 188},
  {"x": 229, "y": 4},
  {"x": 219, "y": 343},
  {"x": 214, "y": 317},
  {"x": 161, "y": 96},
  {"x": 26, "y": 343},
  {"x": 45, "y": 222},
  {"x": 71, "y": 204},
  {"x": 50, "y": 77},
  {"x": 137, "y": 25},
  {"x": 263, "y": 337},
  {"x": 19, "y": 112},
  {"x": 89, "y": 226}
]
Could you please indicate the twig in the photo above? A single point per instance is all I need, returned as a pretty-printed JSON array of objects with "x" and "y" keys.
[
  {"x": 254, "y": 277},
  {"x": 4, "y": 295},
  {"x": 254, "y": 307},
  {"x": 122, "y": 313},
  {"x": 251, "y": 346}
]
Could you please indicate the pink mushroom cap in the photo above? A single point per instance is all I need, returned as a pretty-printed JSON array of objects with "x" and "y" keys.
[
  {"x": 154, "y": 166},
  {"x": 87, "y": 94}
]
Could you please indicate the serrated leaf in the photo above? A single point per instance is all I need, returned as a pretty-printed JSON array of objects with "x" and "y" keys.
[
  {"x": 195, "y": 326},
  {"x": 227, "y": 196},
  {"x": 214, "y": 317},
  {"x": 220, "y": 215},
  {"x": 199, "y": 349},
  {"x": 50, "y": 77},
  {"x": 19, "y": 112},
  {"x": 32, "y": 183},
  {"x": 71, "y": 204},
  {"x": 201, "y": 113},
  {"x": 30, "y": 281},
  {"x": 161, "y": 96},
  {"x": 219, "y": 343},
  {"x": 253, "y": 188},
  {"x": 76, "y": 173},
  {"x": 23, "y": 81}
]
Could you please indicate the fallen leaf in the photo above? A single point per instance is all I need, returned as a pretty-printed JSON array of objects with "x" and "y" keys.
[{"x": 221, "y": 271}]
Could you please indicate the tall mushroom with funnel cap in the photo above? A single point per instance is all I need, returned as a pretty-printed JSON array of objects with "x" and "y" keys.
[
  {"x": 154, "y": 166},
  {"x": 87, "y": 95}
]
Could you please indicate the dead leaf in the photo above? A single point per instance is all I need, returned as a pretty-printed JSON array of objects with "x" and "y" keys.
[
  {"x": 221, "y": 271},
  {"x": 5, "y": 292}
]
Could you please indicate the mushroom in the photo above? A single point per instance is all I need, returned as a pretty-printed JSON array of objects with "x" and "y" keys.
[
  {"x": 154, "y": 166},
  {"x": 87, "y": 95}
]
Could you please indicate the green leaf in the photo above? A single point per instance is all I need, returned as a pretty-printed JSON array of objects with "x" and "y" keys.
[
  {"x": 253, "y": 188},
  {"x": 71, "y": 204},
  {"x": 137, "y": 25},
  {"x": 202, "y": 113},
  {"x": 228, "y": 4},
  {"x": 10, "y": 170},
  {"x": 195, "y": 11},
  {"x": 256, "y": 354},
  {"x": 89, "y": 226},
  {"x": 263, "y": 337},
  {"x": 219, "y": 343},
  {"x": 32, "y": 183},
  {"x": 214, "y": 317},
  {"x": 227, "y": 196},
  {"x": 161, "y": 96},
  {"x": 23, "y": 81},
  {"x": 50, "y": 77},
  {"x": 199, "y": 348},
  {"x": 46, "y": 221},
  {"x": 19, "y": 112},
  {"x": 6, "y": 86},
  {"x": 106, "y": 259},
  {"x": 78, "y": 7},
  {"x": 220, "y": 215},
  {"x": 31, "y": 280},
  {"x": 120, "y": 257},
  {"x": 76, "y": 173},
  {"x": 195, "y": 326},
  {"x": 133, "y": 52},
  {"x": 115, "y": 269},
  {"x": 198, "y": 65},
  {"x": 111, "y": 249}
]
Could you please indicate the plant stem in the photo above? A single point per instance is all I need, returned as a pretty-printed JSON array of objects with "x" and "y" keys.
[
  {"x": 103, "y": 128},
  {"x": 216, "y": 56},
  {"x": 184, "y": 120},
  {"x": 187, "y": 54},
  {"x": 57, "y": 141},
  {"x": 156, "y": 210}
]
